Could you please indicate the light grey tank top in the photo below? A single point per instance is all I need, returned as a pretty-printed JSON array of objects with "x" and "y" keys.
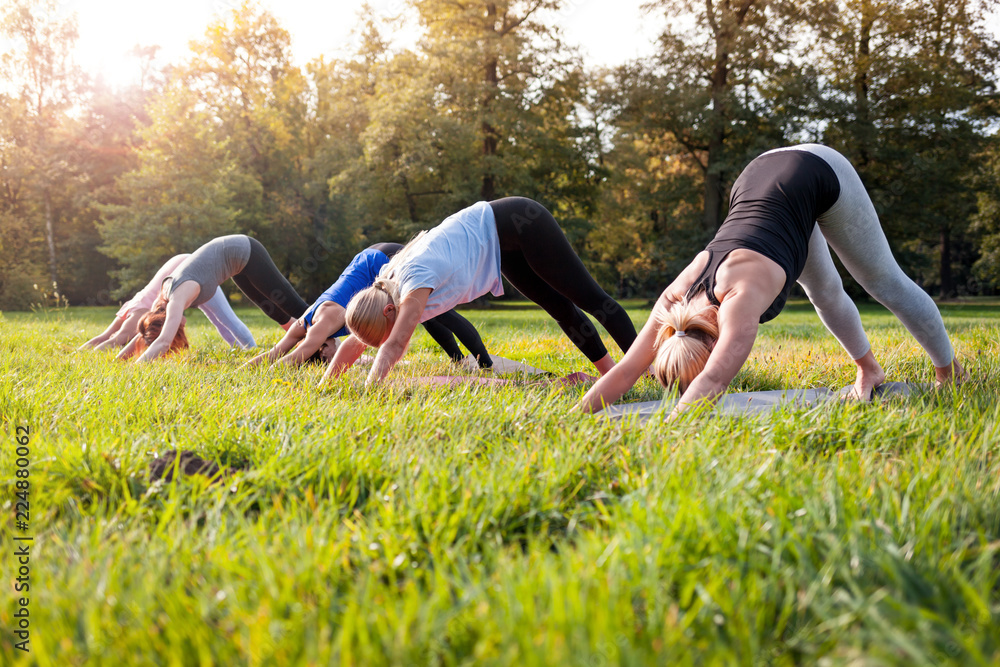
[{"x": 211, "y": 265}]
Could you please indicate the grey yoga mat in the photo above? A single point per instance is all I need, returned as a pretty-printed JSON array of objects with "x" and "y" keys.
[{"x": 758, "y": 402}]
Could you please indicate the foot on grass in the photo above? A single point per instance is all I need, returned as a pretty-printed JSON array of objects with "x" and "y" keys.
[
  {"x": 952, "y": 374},
  {"x": 870, "y": 375}
]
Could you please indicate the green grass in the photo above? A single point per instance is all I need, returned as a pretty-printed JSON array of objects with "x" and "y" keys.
[{"x": 466, "y": 526}]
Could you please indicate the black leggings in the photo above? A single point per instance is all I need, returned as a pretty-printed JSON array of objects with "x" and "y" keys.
[
  {"x": 446, "y": 326},
  {"x": 263, "y": 284},
  {"x": 538, "y": 260}
]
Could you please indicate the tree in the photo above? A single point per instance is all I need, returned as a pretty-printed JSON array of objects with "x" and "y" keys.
[
  {"x": 38, "y": 152},
  {"x": 647, "y": 223},
  {"x": 986, "y": 222},
  {"x": 907, "y": 83},
  {"x": 232, "y": 142},
  {"x": 479, "y": 110},
  {"x": 483, "y": 54},
  {"x": 503, "y": 76},
  {"x": 712, "y": 79},
  {"x": 183, "y": 192}
]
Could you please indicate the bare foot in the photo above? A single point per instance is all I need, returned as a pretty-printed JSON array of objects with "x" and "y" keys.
[
  {"x": 953, "y": 373},
  {"x": 870, "y": 375}
]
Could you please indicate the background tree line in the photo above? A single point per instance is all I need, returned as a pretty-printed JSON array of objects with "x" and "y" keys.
[{"x": 98, "y": 187}]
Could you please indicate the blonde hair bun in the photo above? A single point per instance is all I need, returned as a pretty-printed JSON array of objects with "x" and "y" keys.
[{"x": 684, "y": 342}]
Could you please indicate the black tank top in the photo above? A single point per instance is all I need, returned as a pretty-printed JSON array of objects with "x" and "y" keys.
[{"x": 772, "y": 211}]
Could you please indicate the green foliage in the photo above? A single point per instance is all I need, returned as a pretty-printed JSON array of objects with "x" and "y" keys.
[
  {"x": 450, "y": 526},
  {"x": 99, "y": 186},
  {"x": 41, "y": 172},
  {"x": 483, "y": 108},
  {"x": 183, "y": 193},
  {"x": 230, "y": 148},
  {"x": 987, "y": 222},
  {"x": 910, "y": 82}
]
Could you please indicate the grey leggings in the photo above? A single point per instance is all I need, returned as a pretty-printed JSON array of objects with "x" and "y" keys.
[
  {"x": 852, "y": 229},
  {"x": 230, "y": 327}
]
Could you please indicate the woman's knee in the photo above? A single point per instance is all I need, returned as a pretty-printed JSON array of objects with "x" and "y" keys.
[{"x": 891, "y": 287}]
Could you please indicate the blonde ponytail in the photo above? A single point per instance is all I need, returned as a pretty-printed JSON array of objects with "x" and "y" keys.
[
  {"x": 365, "y": 316},
  {"x": 365, "y": 313},
  {"x": 684, "y": 342}
]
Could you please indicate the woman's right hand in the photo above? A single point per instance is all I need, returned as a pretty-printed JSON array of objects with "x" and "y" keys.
[{"x": 613, "y": 384}]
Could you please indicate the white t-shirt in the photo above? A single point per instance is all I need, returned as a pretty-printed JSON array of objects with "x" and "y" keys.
[{"x": 459, "y": 260}]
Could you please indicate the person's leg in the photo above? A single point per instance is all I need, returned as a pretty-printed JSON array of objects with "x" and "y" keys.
[
  {"x": 825, "y": 289},
  {"x": 264, "y": 284},
  {"x": 442, "y": 336},
  {"x": 570, "y": 319},
  {"x": 852, "y": 229},
  {"x": 527, "y": 228},
  {"x": 466, "y": 333},
  {"x": 230, "y": 327}
]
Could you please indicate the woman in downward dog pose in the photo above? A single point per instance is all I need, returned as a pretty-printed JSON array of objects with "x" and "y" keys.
[
  {"x": 217, "y": 309},
  {"x": 313, "y": 336},
  {"x": 785, "y": 207},
  {"x": 462, "y": 259},
  {"x": 196, "y": 279}
]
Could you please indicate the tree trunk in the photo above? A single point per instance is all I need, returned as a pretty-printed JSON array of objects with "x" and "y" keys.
[
  {"x": 716, "y": 139},
  {"x": 50, "y": 238},
  {"x": 947, "y": 280},
  {"x": 411, "y": 200},
  {"x": 861, "y": 67},
  {"x": 492, "y": 80}
]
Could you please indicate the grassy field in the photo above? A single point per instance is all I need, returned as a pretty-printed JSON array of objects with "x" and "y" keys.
[{"x": 416, "y": 525}]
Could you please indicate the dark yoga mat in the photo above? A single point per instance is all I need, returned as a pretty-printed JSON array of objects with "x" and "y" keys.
[{"x": 758, "y": 402}]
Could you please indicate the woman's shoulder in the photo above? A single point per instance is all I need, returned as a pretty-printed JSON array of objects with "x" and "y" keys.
[{"x": 749, "y": 275}]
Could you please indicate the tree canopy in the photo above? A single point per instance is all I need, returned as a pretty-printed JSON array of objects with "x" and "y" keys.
[{"x": 98, "y": 187}]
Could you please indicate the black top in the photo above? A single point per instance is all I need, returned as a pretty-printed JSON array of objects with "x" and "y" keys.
[
  {"x": 772, "y": 211},
  {"x": 387, "y": 249}
]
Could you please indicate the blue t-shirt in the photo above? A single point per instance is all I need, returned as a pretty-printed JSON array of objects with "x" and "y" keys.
[{"x": 358, "y": 275}]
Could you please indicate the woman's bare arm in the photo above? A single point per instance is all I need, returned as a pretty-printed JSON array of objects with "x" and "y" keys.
[
  {"x": 328, "y": 320},
  {"x": 126, "y": 332},
  {"x": 182, "y": 296},
  {"x": 407, "y": 318},
  {"x": 295, "y": 333},
  {"x": 738, "y": 325},
  {"x": 348, "y": 353},
  {"x": 746, "y": 285},
  {"x": 312, "y": 342},
  {"x": 102, "y": 337},
  {"x": 129, "y": 350},
  {"x": 613, "y": 385}
]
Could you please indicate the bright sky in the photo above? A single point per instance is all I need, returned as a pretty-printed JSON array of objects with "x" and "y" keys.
[{"x": 608, "y": 32}]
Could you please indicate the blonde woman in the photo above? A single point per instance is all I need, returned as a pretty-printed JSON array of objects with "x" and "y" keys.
[
  {"x": 126, "y": 322},
  {"x": 785, "y": 207},
  {"x": 462, "y": 259},
  {"x": 313, "y": 337}
]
